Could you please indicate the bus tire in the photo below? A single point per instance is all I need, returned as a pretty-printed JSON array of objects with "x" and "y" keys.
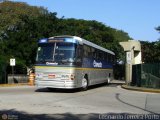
[
  {"x": 108, "y": 80},
  {"x": 84, "y": 84}
]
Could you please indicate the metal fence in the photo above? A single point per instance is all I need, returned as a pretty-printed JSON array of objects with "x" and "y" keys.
[
  {"x": 17, "y": 78},
  {"x": 146, "y": 75},
  {"x": 6, "y": 77}
]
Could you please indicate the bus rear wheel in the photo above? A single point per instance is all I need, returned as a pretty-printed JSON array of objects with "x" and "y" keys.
[{"x": 84, "y": 84}]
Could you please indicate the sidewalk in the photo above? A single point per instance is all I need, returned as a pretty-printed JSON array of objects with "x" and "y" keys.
[
  {"x": 142, "y": 89},
  {"x": 10, "y": 85},
  {"x": 134, "y": 88}
]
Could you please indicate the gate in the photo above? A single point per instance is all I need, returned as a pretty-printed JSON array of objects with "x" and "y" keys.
[{"x": 146, "y": 75}]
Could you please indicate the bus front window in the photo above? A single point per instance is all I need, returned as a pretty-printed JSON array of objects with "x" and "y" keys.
[
  {"x": 61, "y": 53},
  {"x": 64, "y": 52},
  {"x": 45, "y": 53}
]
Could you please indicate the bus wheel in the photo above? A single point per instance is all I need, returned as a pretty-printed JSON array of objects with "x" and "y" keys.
[
  {"x": 108, "y": 80},
  {"x": 84, "y": 84}
]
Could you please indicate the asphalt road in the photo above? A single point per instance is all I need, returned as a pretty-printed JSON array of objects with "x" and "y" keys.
[{"x": 99, "y": 102}]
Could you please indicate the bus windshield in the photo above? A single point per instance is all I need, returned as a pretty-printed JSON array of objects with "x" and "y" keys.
[{"x": 60, "y": 52}]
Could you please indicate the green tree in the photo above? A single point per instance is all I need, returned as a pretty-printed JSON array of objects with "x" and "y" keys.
[
  {"x": 20, "y": 28},
  {"x": 22, "y": 25},
  {"x": 95, "y": 32},
  {"x": 150, "y": 52}
]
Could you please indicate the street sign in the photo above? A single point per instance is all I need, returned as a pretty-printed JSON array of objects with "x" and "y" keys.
[{"x": 12, "y": 62}]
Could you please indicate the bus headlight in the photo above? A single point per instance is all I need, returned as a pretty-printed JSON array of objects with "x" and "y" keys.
[{"x": 72, "y": 76}]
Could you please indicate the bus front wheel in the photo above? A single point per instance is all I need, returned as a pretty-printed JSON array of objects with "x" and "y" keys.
[
  {"x": 84, "y": 84},
  {"x": 108, "y": 80}
]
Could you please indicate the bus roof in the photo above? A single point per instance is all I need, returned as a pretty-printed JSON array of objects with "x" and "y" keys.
[{"x": 83, "y": 41}]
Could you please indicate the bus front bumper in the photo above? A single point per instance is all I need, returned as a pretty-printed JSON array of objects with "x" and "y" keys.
[{"x": 56, "y": 84}]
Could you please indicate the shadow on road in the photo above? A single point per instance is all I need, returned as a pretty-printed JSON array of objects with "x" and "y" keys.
[
  {"x": 56, "y": 90},
  {"x": 118, "y": 98},
  {"x": 20, "y": 115}
]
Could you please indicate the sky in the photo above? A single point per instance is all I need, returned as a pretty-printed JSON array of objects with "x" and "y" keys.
[{"x": 138, "y": 18}]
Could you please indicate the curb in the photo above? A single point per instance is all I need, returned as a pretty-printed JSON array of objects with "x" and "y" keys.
[
  {"x": 12, "y": 85},
  {"x": 141, "y": 89}
]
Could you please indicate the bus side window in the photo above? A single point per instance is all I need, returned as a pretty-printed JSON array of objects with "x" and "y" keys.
[
  {"x": 93, "y": 53},
  {"x": 79, "y": 54},
  {"x": 87, "y": 51},
  {"x": 106, "y": 57},
  {"x": 113, "y": 60},
  {"x": 109, "y": 58},
  {"x": 99, "y": 55},
  {"x": 103, "y": 55},
  {"x": 96, "y": 54}
]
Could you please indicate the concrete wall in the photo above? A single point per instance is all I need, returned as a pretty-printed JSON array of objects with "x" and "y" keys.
[
  {"x": 133, "y": 56},
  {"x": 134, "y": 47}
]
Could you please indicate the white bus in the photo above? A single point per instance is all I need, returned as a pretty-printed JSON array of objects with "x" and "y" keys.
[{"x": 72, "y": 62}]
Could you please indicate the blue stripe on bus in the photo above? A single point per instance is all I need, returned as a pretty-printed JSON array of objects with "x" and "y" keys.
[
  {"x": 87, "y": 63},
  {"x": 92, "y": 63}
]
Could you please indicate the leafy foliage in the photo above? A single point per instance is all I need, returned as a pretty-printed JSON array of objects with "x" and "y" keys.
[
  {"x": 158, "y": 29},
  {"x": 150, "y": 52},
  {"x": 96, "y": 32},
  {"x": 22, "y": 25}
]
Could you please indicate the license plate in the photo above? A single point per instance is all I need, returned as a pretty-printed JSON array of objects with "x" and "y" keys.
[{"x": 51, "y": 76}]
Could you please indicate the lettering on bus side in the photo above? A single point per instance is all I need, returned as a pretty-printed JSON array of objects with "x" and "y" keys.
[{"x": 97, "y": 64}]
